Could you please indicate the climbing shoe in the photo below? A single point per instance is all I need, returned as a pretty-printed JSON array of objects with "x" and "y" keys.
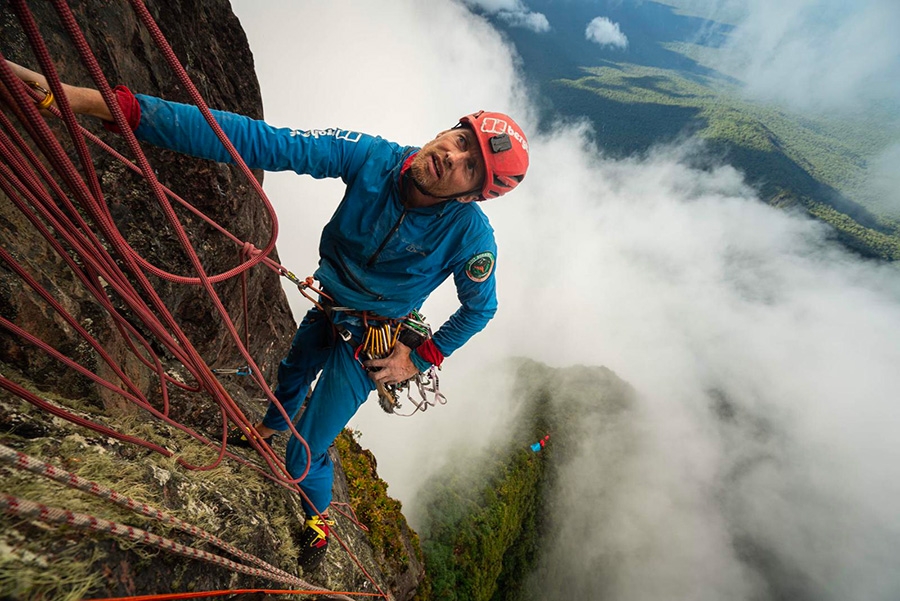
[
  {"x": 238, "y": 438},
  {"x": 314, "y": 542}
]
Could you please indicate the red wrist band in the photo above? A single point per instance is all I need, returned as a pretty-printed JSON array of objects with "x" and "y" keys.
[
  {"x": 130, "y": 108},
  {"x": 431, "y": 353}
]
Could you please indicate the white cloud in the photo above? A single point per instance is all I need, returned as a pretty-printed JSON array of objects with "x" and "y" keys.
[
  {"x": 821, "y": 54},
  {"x": 884, "y": 180},
  {"x": 606, "y": 33},
  {"x": 684, "y": 282},
  {"x": 536, "y": 22},
  {"x": 514, "y": 12},
  {"x": 679, "y": 280}
]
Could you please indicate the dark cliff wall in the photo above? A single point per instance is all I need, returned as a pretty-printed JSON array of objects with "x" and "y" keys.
[
  {"x": 208, "y": 38},
  {"x": 235, "y": 503}
]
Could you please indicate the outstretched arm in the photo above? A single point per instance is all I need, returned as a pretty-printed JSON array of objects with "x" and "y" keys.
[
  {"x": 84, "y": 101},
  {"x": 182, "y": 128}
]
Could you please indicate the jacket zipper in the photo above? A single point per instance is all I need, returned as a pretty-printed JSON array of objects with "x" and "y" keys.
[
  {"x": 384, "y": 242},
  {"x": 355, "y": 279}
]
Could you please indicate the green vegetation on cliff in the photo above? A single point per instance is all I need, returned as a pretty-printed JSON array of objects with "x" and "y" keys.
[
  {"x": 483, "y": 529},
  {"x": 483, "y": 514},
  {"x": 381, "y": 514},
  {"x": 488, "y": 512}
]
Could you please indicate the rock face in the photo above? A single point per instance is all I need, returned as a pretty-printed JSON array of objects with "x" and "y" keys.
[
  {"x": 491, "y": 516},
  {"x": 232, "y": 501}
]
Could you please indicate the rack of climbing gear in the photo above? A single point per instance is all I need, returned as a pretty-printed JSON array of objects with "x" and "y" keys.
[{"x": 379, "y": 341}]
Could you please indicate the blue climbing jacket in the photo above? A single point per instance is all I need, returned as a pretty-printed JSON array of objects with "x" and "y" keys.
[{"x": 374, "y": 254}]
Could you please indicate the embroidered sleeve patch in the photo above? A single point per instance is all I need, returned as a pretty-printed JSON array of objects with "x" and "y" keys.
[{"x": 479, "y": 267}]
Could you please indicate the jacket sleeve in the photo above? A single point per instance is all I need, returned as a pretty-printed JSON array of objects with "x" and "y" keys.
[
  {"x": 319, "y": 153},
  {"x": 476, "y": 288}
]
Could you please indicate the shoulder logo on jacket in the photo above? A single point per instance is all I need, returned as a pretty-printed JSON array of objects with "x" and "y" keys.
[
  {"x": 339, "y": 134},
  {"x": 479, "y": 267}
]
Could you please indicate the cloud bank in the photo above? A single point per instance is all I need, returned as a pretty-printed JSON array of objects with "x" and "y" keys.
[
  {"x": 884, "y": 180},
  {"x": 513, "y": 12},
  {"x": 761, "y": 461},
  {"x": 820, "y": 54},
  {"x": 606, "y": 33},
  {"x": 763, "y": 355}
]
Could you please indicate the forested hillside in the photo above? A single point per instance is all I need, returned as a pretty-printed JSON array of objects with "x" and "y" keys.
[
  {"x": 489, "y": 514},
  {"x": 813, "y": 161}
]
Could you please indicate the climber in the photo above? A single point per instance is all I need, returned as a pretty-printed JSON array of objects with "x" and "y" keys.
[
  {"x": 406, "y": 223},
  {"x": 540, "y": 444}
]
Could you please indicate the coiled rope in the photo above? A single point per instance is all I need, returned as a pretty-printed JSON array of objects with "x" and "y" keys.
[
  {"x": 67, "y": 207},
  {"x": 22, "y": 461}
]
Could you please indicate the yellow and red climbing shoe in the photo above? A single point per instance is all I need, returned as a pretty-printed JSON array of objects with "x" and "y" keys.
[
  {"x": 314, "y": 542},
  {"x": 238, "y": 438}
]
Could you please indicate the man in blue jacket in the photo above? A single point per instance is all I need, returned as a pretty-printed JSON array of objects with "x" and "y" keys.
[{"x": 406, "y": 223}]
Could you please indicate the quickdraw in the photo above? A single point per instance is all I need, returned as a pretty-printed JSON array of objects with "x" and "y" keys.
[{"x": 378, "y": 342}]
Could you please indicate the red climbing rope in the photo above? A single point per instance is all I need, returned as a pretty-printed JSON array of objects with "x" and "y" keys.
[
  {"x": 65, "y": 204},
  {"x": 29, "y": 509},
  {"x": 25, "y": 462},
  {"x": 246, "y": 591},
  {"x": 23, "y": 508},
  {"x": 69, "y": 226}
]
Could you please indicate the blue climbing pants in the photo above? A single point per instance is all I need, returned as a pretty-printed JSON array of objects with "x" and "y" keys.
[{"x": 342, "y": 388}]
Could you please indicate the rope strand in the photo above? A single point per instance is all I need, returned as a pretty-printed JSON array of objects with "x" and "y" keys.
[{"x": 66, "y": 205}]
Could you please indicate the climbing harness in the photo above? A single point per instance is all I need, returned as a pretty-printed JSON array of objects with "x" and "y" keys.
[{"x": 380, "y": 336}]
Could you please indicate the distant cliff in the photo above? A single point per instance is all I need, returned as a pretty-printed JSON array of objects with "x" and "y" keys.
[
  {"x": 38, "y": 561},
  {"x": 489, "y": 515}
]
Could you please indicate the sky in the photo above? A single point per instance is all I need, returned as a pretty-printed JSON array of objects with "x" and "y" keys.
[{"x": 681, "y": 281}]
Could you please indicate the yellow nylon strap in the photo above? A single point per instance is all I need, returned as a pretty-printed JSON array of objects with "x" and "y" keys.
[{"x": 316, "y": 523}]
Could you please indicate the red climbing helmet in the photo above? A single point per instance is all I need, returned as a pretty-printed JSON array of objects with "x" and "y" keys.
[{"x": 504, "y": 148}]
